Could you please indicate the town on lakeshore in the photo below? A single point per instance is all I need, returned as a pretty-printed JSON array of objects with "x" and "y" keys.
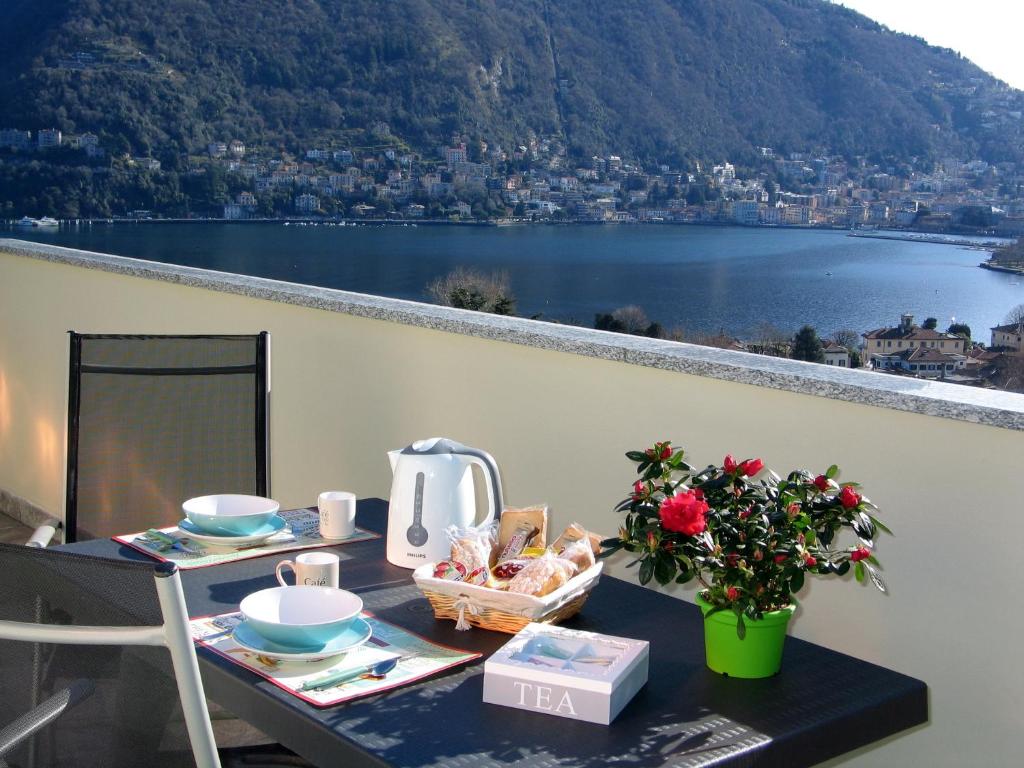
[
  {"x": 482, "y": 182},
  {"x": 478, "y": 180}
]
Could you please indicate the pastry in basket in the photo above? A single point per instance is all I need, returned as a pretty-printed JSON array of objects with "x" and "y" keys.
[
  {"x": 473, "y": 547},
  {"x": 579, "y": 554},
  {"x": 542, "y": 576},
  {"x": 577, "y": 532}
]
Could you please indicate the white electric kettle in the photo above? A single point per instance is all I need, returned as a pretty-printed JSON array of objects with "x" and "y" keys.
[{"x": 433, "y": 488}]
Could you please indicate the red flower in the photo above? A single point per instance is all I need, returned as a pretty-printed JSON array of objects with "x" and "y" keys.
[
  {"x": 729, "y": 463},
  {"x": 651, "y": 541},
  {"x": 746, "y": 513},
  {"x": 861, "y": 553},
  {"x": 684, "y": 513},
  {"x": 848, "y": 497},
  {"x": 732, "y": 593},
  {"x": 638, "y": 487},
  {"x": 751, "y": 467},
  {"x": 698, "y": 493},
  {"x": 821, "y": 482},
  {"x": 731, "y": 559},
  {"x": 781, "y": 558},
  {"x": 809, "y": 561},
  {"x": 666, "y": 451}
]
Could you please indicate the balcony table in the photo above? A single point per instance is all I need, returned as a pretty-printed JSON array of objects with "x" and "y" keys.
[{"x": 823, "y": 703}]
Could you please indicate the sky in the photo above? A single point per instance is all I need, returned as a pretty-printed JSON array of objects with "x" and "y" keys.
[{"x": 988, "y": 32}]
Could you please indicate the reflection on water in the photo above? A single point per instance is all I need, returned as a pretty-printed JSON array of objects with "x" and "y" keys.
[{"x": 698, "y": 278}]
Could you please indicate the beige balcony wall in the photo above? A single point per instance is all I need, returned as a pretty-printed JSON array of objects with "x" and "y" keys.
[{"x": 347, "y": 388}]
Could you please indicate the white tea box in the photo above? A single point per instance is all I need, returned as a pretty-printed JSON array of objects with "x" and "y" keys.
[{"x": 565, "y": 672}]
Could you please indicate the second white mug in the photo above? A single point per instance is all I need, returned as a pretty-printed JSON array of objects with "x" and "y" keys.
[
  {"x": 312, "y": 569},
  {"x": 337, "y": 514}
]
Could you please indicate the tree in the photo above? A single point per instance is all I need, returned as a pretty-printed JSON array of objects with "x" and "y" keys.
[
  {"x": 930, "y": 324},
  {"x": 471, "y": 289},
  {"x": 807, "y": 345},
  {"x": 846, "y": 337},
  {"x": 1015, "y": 316},
  {"x": 630, "y": 319},
  {"x": 770, "y": 340},
  {"x": 960, "y": 329}
]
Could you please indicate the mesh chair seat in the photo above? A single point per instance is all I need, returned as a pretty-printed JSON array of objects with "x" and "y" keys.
[
  {"x": 156, "y": 420},
  {"x": 125, "y": 696}
]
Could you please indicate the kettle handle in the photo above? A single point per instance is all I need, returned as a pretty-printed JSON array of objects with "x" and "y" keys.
[{"x": 491, "y": 476}]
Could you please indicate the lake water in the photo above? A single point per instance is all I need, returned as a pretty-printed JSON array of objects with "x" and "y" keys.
[{"x": 696, "y": 278}]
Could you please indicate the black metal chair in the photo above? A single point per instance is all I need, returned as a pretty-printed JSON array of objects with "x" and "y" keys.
[
  {"x": 156, "y": 420},
  {"x": 97, "y": 664}
]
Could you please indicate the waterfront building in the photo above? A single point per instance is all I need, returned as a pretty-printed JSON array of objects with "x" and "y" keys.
[
  {"x": 307, "y": 203},
  {"x": 885, "y": 342},
  {"x": 1010, "y": 336},
  {"x": 15, "y": 138},
  {"x": 923, "y": 362},
  {"x": 836, "y": 354},
  {"x": 48, "y": 137}
]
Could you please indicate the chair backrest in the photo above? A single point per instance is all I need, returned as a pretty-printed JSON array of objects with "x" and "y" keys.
[
  {"x": 97, "y": 667},
  {"x": 156, "y": 420}
]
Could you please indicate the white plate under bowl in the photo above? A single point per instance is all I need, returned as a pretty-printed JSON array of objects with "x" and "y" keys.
[
  {"x": 357, "y": 633},
  {"x": 261, "y": 534}
]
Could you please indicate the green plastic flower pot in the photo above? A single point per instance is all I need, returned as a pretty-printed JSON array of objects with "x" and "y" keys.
[{"x": 758, "y": 654}]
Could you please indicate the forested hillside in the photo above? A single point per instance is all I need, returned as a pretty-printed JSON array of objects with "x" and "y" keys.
[{"x": 668, "y": 80}]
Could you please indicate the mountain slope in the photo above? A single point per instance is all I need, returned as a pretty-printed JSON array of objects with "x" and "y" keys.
[{"x": 673, "y": 80}]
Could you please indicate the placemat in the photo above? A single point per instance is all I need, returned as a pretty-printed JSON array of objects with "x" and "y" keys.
[
  {"x": 418, "y": 658},
  {"x": 302, "y": 532}
]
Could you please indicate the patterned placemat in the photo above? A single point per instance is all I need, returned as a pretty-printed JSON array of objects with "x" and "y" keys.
[
  {"x": 417, "y": 658},
  {"x": 301, "y": 532}
]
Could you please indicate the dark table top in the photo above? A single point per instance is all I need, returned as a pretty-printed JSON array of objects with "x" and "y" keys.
[{"x": 821, "y": 705}]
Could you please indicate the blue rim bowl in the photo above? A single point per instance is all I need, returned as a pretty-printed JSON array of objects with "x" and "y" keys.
[
  {"x": 301, "y": 616},
  {"x": 230, "y": 514}
]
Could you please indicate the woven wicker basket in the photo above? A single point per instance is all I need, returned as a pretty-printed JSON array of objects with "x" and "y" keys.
[{"x": 468, "y": 604}]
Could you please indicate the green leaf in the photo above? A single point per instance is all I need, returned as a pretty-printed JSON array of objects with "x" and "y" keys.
[
  {"x": 858, "y": 571},
  {"x": 796, "y": 583},
  {"x": 879, "y": 525},
  {"x": 684, "y": 577},
  {"x": 831, "y": 471},
  {"x": 646, "y": 571},
  {"x": 636, "y": 455},
  {"x": 609, "y": 549},
  {"x": 741, "y": 626},
  {"x": 664, "y": 568},
  {"x": 876, "y": 579}
]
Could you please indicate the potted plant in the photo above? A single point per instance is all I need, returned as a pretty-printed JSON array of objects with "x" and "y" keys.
[{"x": 750, "y": 538}]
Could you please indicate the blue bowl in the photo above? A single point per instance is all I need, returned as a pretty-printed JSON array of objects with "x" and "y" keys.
[
  {"x": 300, "y": 616},
  {"x": 230, "y": 514}
]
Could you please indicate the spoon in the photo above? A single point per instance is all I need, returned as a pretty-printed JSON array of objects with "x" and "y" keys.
[{"x": 380, "y": 669}]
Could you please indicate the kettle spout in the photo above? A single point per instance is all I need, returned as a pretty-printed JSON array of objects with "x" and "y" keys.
[{"x": 393, "y": 458}]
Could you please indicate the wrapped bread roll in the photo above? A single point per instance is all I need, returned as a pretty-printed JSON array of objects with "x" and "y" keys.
[
  {"x": 580, "y": 554},
  {"x": 577, "y": 532},
  {"x": 542, "y": 576},
  {"x": 473, "y": 547}
]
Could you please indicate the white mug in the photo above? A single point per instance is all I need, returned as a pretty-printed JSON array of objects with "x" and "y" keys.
[
  {"x": 337, "y": 514},
  {"x": 312, "y": 569}
]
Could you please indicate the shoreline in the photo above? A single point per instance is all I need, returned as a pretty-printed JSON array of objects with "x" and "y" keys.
[{"x": 907, "y": 235}]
